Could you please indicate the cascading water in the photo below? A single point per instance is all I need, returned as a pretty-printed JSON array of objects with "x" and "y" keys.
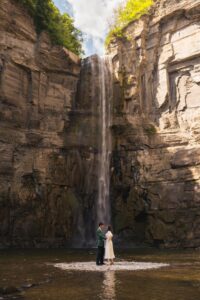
[
  {"x": 93, "y": 114},
  {"x": 105, "y": 84}
]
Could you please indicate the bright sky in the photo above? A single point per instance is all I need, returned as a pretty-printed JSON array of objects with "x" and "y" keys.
[{"x": 92, "y": 17}]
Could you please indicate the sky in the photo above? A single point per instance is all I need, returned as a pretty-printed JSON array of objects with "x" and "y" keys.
[{"x": 92, "y": 17}]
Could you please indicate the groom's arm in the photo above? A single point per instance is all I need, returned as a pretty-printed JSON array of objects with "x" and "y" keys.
[{"x": 101, "y": 235}]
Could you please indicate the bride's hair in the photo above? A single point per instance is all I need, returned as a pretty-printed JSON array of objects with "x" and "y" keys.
[{"x": 109, "y": 228}]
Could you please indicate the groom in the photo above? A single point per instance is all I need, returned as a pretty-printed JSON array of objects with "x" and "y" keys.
[{"x": 100, "y": 244}]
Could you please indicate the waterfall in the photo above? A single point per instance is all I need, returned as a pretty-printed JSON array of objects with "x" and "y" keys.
[
  {"x": 92, "y": 113},
  {"x": 105, "y": 84}
]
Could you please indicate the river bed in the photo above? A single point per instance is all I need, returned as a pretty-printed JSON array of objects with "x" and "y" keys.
[{"x": 33, "y": 275}]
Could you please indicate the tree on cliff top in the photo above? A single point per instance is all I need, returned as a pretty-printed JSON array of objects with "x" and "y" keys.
[
  {"x": 127, "y": 12},
  {"x": 60, "y": 27}
]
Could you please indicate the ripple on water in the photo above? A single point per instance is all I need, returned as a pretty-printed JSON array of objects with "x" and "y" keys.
[{"x": 118, "y": 266}]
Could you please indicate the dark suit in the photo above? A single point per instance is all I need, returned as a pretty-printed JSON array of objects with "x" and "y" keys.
[{"x": 100, "y": 249}]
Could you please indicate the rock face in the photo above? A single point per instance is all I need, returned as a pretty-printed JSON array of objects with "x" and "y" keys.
[
  {"x": 50, "y": 133},
  {"x": 38, "y": 83},
  {"x": 155, "y": 184}
]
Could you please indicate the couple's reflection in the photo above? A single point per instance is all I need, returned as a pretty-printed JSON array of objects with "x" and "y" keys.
[{"x": 108, "y": 288}]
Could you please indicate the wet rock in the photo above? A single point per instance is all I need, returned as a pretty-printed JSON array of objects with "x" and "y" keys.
[
  {"x": 28, "y": 285},
  {"x": 9, "y": 290}
]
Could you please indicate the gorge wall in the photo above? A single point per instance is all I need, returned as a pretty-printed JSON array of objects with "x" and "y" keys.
[
  {"x": 155, "y": 184},
  {"x": 50, "y": 139},
  {"x": 38, "y": 83}
]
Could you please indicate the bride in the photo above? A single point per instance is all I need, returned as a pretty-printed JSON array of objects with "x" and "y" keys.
[{"x": 109, "y": 252}]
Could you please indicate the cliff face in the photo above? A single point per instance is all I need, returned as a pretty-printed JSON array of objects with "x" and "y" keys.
[
  {"x": 50, "y": 139},
  {"x": 155, "y": 185},
  {"x": 38, "y": 83}
]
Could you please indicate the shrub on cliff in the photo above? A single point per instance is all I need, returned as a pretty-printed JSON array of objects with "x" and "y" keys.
[
  {"x": 126, "y": 13},
  {"x": 60, "y": 27}
]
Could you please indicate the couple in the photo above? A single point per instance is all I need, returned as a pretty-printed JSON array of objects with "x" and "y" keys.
[{"x": 104, "y": 252}]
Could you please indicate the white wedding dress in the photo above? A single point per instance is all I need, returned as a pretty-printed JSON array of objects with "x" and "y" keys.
[{"x": 109, "y": 252}]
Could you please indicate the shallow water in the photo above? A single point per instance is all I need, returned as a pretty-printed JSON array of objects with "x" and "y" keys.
[{"x": 22, "y": 269}]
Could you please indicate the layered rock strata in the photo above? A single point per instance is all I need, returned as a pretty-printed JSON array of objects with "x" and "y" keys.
[
  {"x": 155, "y": 185},
  {"x": 38, "y": 83}
]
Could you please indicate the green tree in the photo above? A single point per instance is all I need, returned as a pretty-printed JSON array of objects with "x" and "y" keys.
[
  {"x": 60, "y": 27},
  {"x": 130, "y": 11}
]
